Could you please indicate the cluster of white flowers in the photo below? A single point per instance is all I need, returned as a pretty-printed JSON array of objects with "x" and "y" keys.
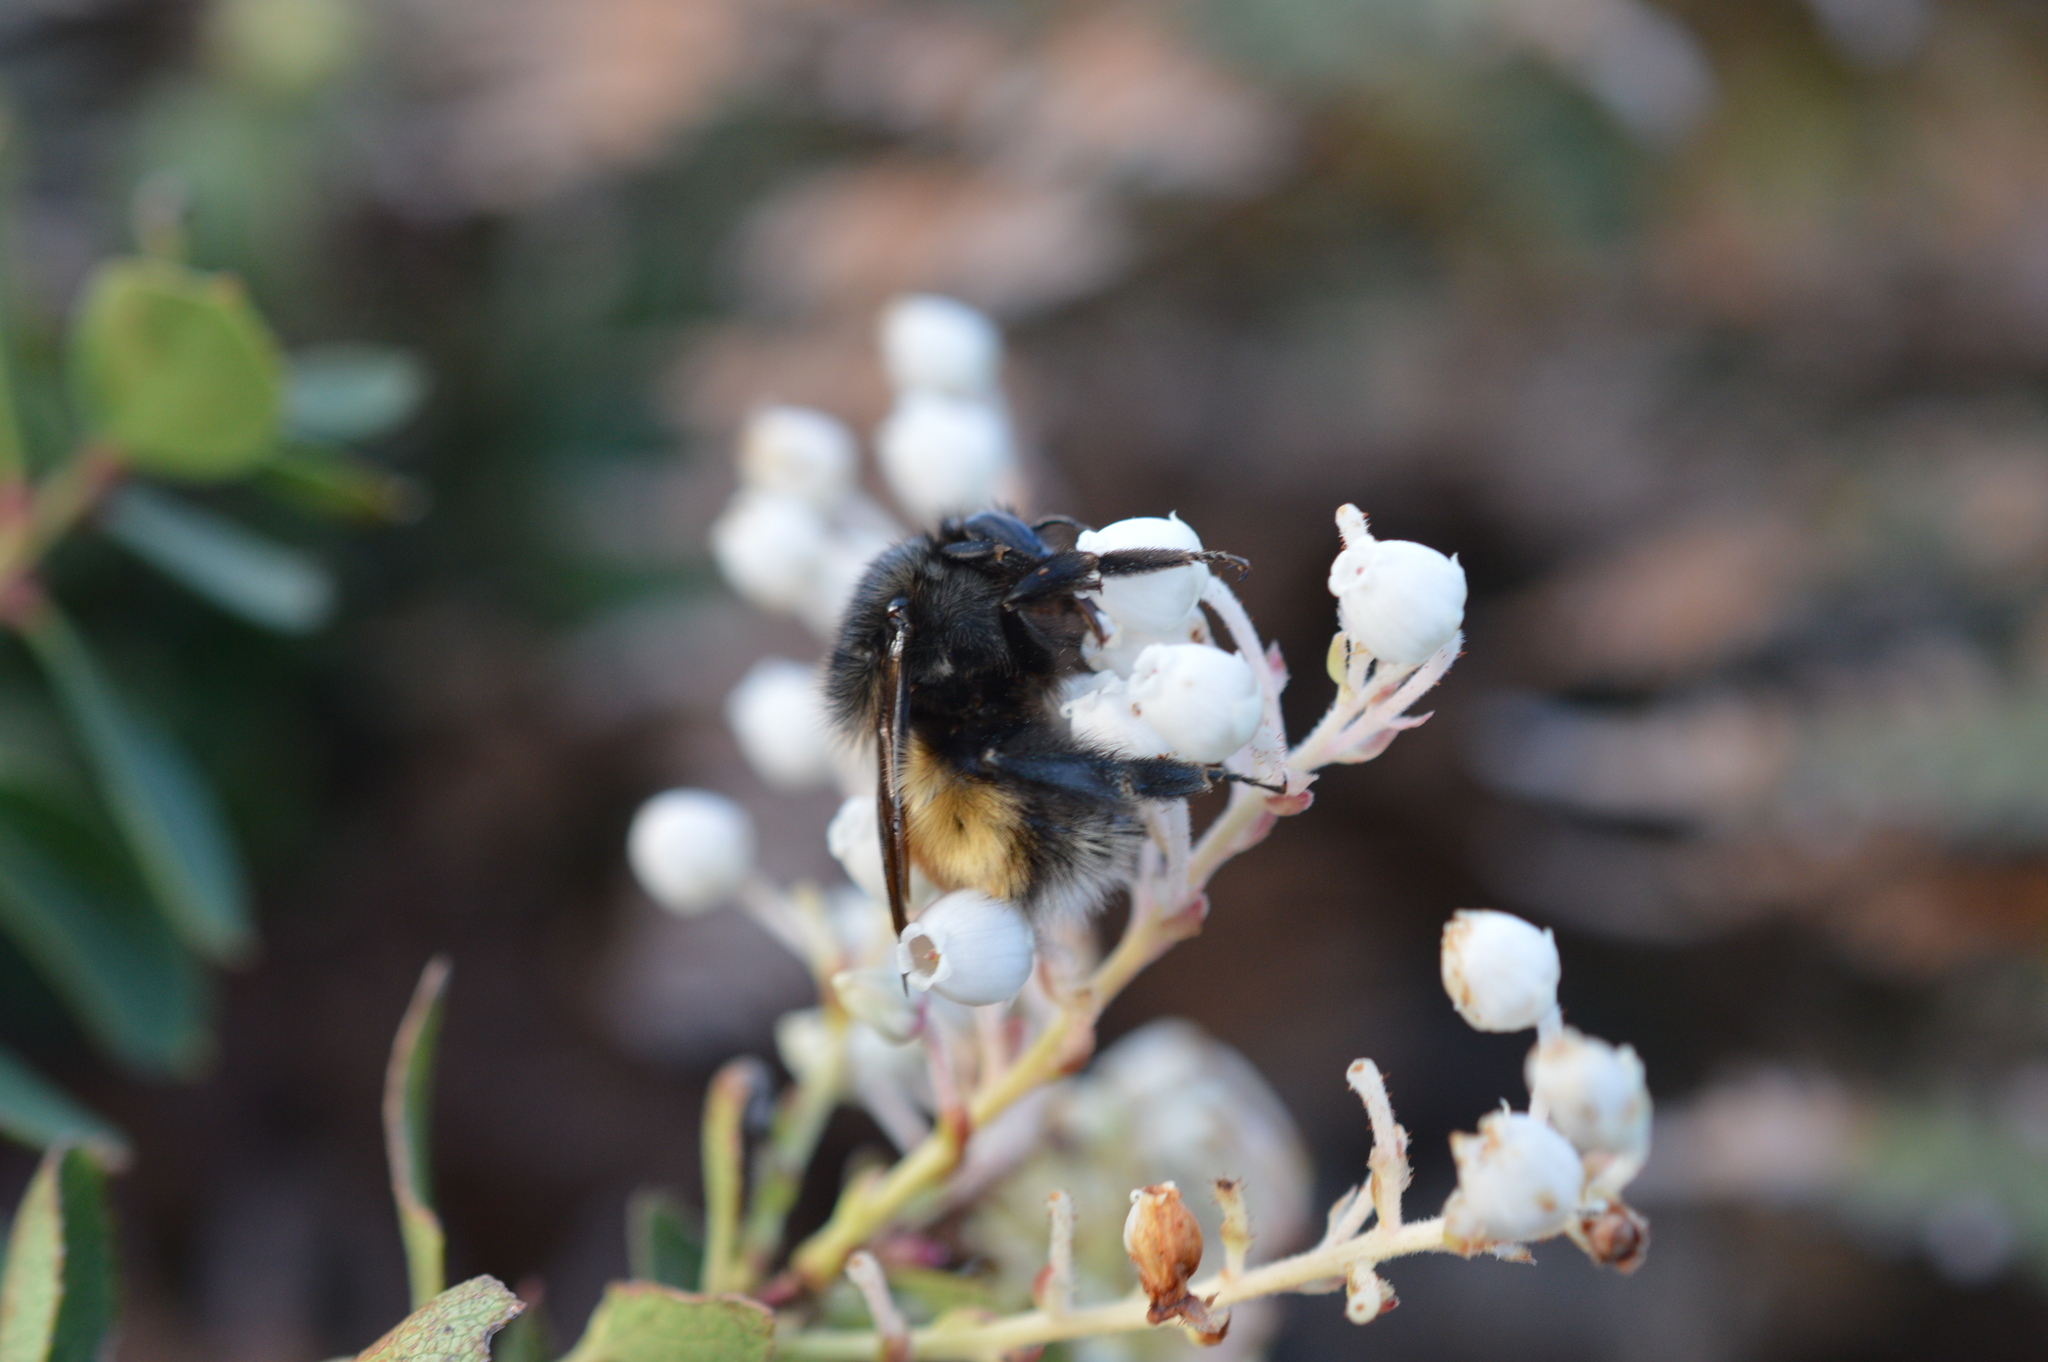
[
  {"x": 944, "y": 1028},
  {"x": 1560, "y": 1167}
]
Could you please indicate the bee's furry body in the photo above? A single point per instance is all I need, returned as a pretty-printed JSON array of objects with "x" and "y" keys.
[{"x": 995, "y": 792}]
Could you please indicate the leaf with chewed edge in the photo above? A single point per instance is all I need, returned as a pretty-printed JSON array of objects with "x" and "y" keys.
[
  {"x": 643, "y": 1322},
  {"x": 455, "y": 1326}
]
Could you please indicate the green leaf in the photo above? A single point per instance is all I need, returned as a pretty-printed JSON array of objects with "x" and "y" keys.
[
  {"x": 455, "y": 1326},
  {"x": 57, "y": 1297},
  {"x": 408, "y": 1093},
  {"x": 89, "y": 932},
  {"x": 160, "y": 802},
  {"x": 644, "y": 1322},
  {"x": 13, "y": 458},
  {"x": 660, "y": 1245},
  {"x": 350, "y": 393},
  {"x": 36, "y": 1114},
  {"x": 527, "y": 1338},
  {"x": 242, "y": 572},
  {"x": 177, "y": 370},
  {"x": 333, "y": 482}
]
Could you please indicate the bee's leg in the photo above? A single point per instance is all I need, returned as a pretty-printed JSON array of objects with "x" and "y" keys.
[
  {"x": 1124, "y": 562},
  {"x": 1080, "y": 772},
  {"x": 1057, "y": 577},
  {"x": 1236, "y": 778}
]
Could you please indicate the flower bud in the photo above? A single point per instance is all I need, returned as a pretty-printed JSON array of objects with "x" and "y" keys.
[
  {"x": 1165, "y": 1245},
  {"x": 690, "y": 849},
  {"x": 1203, "y": 701},
  {"x": 1614, "y": 1235},
  {"x": 767, "y": 545},
  {"x": 797, "y": 452},
  {"x": 855, "y": 840},
  {"x": 778, "y": 716},
  {"x": 1149, "y": 602},
  {"x": 1500, "y": 971},
  {"x": 934, "y": 342},
  {"x": 1518, "y": 1180},
  {"x": 969, "y": 948},
  {"x": 943, "y": 455},
  {"x": 804, "y": 1042},
  {"x": 875, "y": 996},
  {"x": 1104, "y": 716},
  {"x": 1397, "y": 600},
  {"x": 1592, "y": 1092}
]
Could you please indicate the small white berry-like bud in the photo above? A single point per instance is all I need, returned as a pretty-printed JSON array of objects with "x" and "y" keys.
[
  {"x": 767, "y": 545},
  {"x": 778, "y": 715},
  {"x": 1203, "y": 701},
  {"x": 1592, "y": 1091},
  {"x": 875, "y": 996},
  {"x": 1518, "y": 1180},
  {"x": 1400, "y": 601},
  {"x": 1500, "y": 971},
  {"x": 854, "y": 838},
  {"x": 968, "y": 947},
  {"x": 691, "y": 849},
  {"x": 798, "y": 452},
  {"x": 942, "y": 454},
  {"x": 934, "y": 342},
  {"x": 1105, "y": 716},
  {"x": 804, "y": 1042},
  {"x": 1148, "y": 602}
]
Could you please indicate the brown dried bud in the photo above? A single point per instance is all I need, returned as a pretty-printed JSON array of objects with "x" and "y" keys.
[
  {"x": 1165, "y": 1245},
  {"x": 1613, "y": 1235}
]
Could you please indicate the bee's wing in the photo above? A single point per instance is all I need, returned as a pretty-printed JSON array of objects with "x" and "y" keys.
[{"x": 892, "y": 746}]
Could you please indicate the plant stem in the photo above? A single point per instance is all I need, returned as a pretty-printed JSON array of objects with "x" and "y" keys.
[
  {"x": 779, "y": 1169},
  {"x": 724, "y": 1151},
  {"x": 980, "y": 1342},
  {"x": 66, "y": 494}
]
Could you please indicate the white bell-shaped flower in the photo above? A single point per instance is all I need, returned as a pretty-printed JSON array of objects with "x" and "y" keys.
[
  {"x": 1149, "y": 602},
  {"x": 777, "y": 713},
  {"x": 806, "y": 1044},
  {"x": 1500, "y": 971},
  {"x": 938, "y": 343},
  {"x": 1593, "y": 1092},
  {"x": 1203, "y": 701},
  {"x": 969, "y": 948},
  {"x": 854, "y": 838},
  {"x": 1518, "y": 1180},
  {"x": 942, "y": 454},
  {"x": 767, "y": 545},
  {"x": 798, "y": 452},
  {"x": 691, "y": 849},
  {"x": 1104, "y": 715},
  {"x": 876, "y": 997},
  {"x": 1399, "y": 601},
  {"x": 1119, "y": 652}
]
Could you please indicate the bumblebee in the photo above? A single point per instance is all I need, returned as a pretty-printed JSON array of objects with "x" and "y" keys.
[{"x": 951, "y": 657}]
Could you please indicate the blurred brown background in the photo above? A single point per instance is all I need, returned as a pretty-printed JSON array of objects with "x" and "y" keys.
[{"x": 1712, "y": 336}]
